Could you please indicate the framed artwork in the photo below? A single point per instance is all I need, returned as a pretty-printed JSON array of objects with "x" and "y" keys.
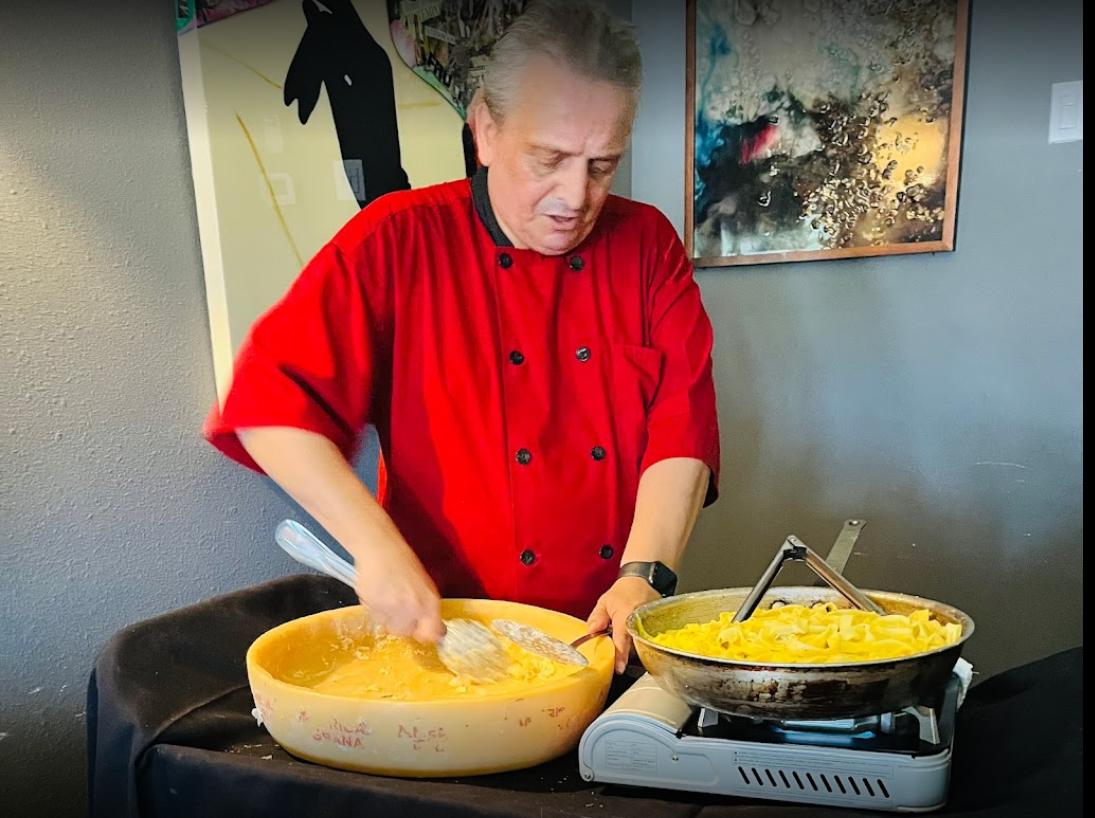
[
  {"x": 301, "y": 112},
  {"x": 822, "y": 129}
]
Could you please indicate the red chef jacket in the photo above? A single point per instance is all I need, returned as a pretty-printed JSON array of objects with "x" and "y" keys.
[{"x": 517, "y": 397}]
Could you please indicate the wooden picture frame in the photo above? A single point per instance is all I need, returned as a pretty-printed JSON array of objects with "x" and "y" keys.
[{"x": 821, "y": 129}]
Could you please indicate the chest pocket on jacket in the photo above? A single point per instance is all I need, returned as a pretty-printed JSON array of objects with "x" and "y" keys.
[{"x": 636, "y": 374}]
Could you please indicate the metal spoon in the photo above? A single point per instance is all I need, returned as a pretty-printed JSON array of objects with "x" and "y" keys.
[
  {"x": 468, "y": 648},
  {"x": 536, "y": 641}
]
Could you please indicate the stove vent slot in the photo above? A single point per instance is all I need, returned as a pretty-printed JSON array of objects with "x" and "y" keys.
[{"x": 776, "y": 778}]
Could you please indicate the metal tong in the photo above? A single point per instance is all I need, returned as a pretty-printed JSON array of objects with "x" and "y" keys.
[{"x": 794, "y": 549}]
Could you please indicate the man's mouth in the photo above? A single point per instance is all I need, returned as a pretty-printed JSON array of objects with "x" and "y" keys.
[{"x": 564, "y": 221}]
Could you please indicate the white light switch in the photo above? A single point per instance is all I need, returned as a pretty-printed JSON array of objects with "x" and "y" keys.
[{"x": 1066, "y": 112}]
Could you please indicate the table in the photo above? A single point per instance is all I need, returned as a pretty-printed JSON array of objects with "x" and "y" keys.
[{"x": 171, "y": 735}]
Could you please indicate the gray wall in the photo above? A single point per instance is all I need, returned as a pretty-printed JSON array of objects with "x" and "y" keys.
[
  {"x": 938, "y": 397},
  {"x": 112, "y": 509},
  {"x": 891, "y": 389}
]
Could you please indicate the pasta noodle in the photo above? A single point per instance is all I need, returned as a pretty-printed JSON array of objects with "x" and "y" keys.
[{"x": 822, "y": 634}]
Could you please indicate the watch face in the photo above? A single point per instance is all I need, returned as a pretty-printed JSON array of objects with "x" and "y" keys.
[
  {"x": 663, "y": 580},
  {"x": 660, "y": 578}
]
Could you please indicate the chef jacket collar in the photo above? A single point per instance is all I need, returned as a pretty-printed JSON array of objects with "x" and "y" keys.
[{"x": 481, "y": 199}]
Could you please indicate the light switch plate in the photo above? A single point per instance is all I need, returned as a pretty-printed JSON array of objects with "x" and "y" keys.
[
  {"x": 349, "y": 171},
  {"x": 281, "y": 186},
  {"x": 1066, "y": 112}
]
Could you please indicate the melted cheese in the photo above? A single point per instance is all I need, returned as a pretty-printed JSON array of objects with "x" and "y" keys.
[{"x": 399, "y": 669}]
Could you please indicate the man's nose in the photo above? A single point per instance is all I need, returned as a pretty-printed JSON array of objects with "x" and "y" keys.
[{"x": 574, "y": 186}]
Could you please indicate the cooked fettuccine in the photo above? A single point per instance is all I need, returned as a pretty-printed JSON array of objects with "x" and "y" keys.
[{"x": 822, "y": 634}]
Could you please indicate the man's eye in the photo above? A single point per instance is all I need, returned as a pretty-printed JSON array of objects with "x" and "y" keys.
[{"x": 601, "y": 168}]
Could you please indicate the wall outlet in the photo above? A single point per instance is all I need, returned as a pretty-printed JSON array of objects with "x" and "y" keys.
[{"x": 1066, "y": 112}]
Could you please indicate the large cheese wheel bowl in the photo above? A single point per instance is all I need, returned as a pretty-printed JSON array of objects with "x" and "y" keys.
[{"x": 331, "y": 692}]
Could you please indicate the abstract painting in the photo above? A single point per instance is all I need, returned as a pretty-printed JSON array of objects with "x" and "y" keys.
[
  {"x": 301, "y": 112},
  {"x": 822, "y": 128},
  {"x": 446, "y": 43},
  {"x": 198, "y": 13}
]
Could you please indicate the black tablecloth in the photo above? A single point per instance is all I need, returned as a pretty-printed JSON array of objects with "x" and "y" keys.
[{"x": 171, "y": 735}]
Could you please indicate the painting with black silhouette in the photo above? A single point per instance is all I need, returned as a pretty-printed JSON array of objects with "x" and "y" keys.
[
  {"x": 338, "y": 55},
  {"x": 822, "y": 128},
  {"x": 300, "y": 113}
]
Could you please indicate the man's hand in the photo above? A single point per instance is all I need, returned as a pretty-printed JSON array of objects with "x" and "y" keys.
[
  {"x": 670, "y": 496},
  {"x": 391, "y": 581},
  {"x": 398, "y": 593},
  {"x": 614, "y": 607}
]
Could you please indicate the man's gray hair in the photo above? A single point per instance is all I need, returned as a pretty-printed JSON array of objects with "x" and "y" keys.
[{"x": 579, "y": 34}]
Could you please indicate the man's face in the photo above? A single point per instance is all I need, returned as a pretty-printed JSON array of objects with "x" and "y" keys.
[{"x": 553, "y": 158}]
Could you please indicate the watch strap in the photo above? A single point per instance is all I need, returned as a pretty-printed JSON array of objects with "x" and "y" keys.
[{"x": 661, "y": 578}]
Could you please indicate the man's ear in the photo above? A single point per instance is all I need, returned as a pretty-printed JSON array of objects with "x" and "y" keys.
[{"x": 484, "y": 129}]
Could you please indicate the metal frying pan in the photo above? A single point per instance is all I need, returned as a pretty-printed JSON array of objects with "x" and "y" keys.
[{"x": 793, "y": 691}]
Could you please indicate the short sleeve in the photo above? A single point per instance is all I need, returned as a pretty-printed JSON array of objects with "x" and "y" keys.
[
  {"x": 683, "y": 418},
  {"x": 309, "y": 362}
]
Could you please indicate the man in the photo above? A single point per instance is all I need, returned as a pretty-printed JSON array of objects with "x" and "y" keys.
[{"x": 532, "y": 351}]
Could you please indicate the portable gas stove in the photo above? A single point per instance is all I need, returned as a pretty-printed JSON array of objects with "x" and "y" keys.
[
  {"x": 893, "y": 758},
  {"x": 898, "y": 762},
  {"x": 894, "y": 761}
]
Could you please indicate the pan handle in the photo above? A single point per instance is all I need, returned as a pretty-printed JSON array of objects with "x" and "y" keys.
[
  {"x": 794, "y": 549},
  {"x": 842, "y": 549}
]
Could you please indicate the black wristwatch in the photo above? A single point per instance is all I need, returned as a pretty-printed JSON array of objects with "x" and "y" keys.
[{"x": 659, "y": 575}]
